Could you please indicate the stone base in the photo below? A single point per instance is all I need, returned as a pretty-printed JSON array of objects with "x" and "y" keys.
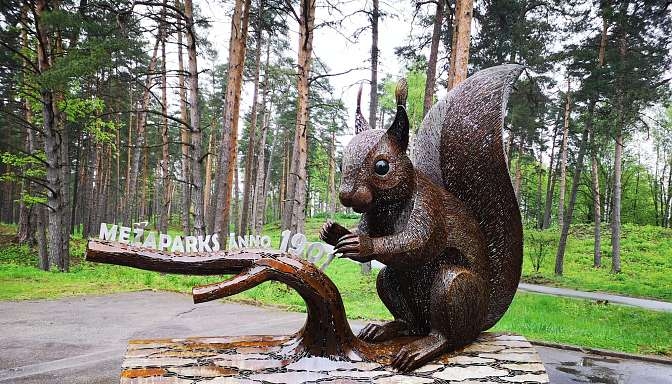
[{"x": 493, "y": 358}]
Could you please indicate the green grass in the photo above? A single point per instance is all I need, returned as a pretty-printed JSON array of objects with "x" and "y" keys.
[
  {"x": 537, "y": 317},
  {"x": 646, "y": 262}
]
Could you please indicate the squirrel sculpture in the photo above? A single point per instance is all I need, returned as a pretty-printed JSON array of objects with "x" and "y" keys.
[{"x": 448, "y": 227}]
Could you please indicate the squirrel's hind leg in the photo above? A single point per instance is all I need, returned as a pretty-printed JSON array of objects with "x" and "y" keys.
[
  {"x": 458, "y": 307},
  {"x": 405, "y": 322}
]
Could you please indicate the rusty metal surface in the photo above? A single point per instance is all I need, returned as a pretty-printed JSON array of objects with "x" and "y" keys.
[{"x": 449, "y": 232}]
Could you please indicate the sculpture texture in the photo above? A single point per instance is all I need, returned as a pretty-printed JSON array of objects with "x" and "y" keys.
[{"x": 448, "y": 230}]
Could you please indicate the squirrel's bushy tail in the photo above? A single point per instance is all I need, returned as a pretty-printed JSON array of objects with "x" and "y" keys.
[{"x": 462, "y": 149}]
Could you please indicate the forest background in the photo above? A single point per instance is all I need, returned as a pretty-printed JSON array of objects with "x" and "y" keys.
[{"x": 128, "y": 111}]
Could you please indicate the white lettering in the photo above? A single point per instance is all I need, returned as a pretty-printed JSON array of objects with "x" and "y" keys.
[
  {"x": 253, "y": 241},
  {"x": 177, "y": 245},
  {"x": 203, "y": 243},
  {"x": 242, "y": 241},
  {"x": 124, "y": 233},
  {"x": 164, "y": 241},
  {"x": 137, "y": 240},
  {"x": 190, "y": 244},
  {"x": 232, "y": 241},
  {"x": 265, "y": 241},
  {"x": 105, "y": 234},
  {"x": 150, "y": 241},
  {"x": 215, "y": 242}
]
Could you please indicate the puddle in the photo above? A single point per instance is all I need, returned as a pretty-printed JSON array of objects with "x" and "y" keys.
[{"x": 588, "y": 370}]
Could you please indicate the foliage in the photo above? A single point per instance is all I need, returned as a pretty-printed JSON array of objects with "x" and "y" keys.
[
  {"x": 538, "y": 245},
  {"x": 414, "y": 104}
]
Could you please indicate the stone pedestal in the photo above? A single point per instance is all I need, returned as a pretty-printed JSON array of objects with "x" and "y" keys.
[{"x": 493, "y": 358}]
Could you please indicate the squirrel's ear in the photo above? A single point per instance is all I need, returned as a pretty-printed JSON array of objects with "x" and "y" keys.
[
  {"x": 360, "y": 122},
  {"x": 400, "y": 127}
]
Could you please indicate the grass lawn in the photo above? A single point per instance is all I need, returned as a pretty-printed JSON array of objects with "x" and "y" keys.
[
  {"x": 646, "y": 262},
  {"x": 537, "y": 317}
]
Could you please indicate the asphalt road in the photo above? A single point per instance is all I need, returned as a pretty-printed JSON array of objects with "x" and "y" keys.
[{"x": 82, "y": 339}]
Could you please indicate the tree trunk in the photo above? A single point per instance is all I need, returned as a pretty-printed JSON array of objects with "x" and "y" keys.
[
  {"x": 41, "y": 238},
  {"x": 195, "y": 119},
  {"x": 518, "y": 174},
  {"x": 236, "y": 200},
  {"x": 373, "y": 104},
  {"x": 294, "y": 214},
  {"x": 563, "y": 160},
  {"x": 667, "y": 215},
  {"x": 459, "y": 52},
  {"x": 540, "y": 184},
  {"x": 207, "y": 192},
  {"x": 433, "y": 55},
  {"x": 597, "y": 253},
  {"x": 258, "y": 193},
  {"x": 249, "y": 156},
  {"x": 560, "y": 255},
  {"x": 333, "y": 199},
  {"x": 618, "y": 158},
  {"x": 164, "y": 215},
  {"x": 138, "y": 148},
  {"x": 550, "y": 184},
  {"x": 53, "y": 147},
  {"x": 229, "y": 144},
  {"x": 185, "y": 133}
]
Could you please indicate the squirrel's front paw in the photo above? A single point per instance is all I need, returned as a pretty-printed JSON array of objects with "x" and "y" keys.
[
  {"x": 331, "y": 232},
  {"x": 355, "y": 247}
]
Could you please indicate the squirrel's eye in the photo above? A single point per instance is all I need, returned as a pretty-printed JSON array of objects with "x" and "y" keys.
[{"x": 382, "y": 167}]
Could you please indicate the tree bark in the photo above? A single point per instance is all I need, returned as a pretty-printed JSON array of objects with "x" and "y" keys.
[
  {"x": 207, "y": 192},
  {"x": 597, "y": 253},
  {"x": 53, "y": 146},
  {"x": 373, "y": 103},
  {"x": 259, "y": 193},
  {"x": 138, "y": 148},
  {"x": 333, "y": 199},
  {"x": 294, "y": 213},
  {"x": 563, "y": 160},
  {"x": 249, "y": 156},
  {"x": 459, "y": 53},
  {"x": 562, "y": 244},
  {"x": 195, "y": 119},
  {"x": 164, "y": 215},
  {"x": 229, "y": 144},
  {"x": 550, "y": 183},
  {"x": 185, "y": 133},
  {"x": 618, "y": 158},
  {"x": 433, "y": 55}
]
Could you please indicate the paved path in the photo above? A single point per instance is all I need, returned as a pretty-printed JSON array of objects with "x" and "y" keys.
[
  {"x": 81, "y": 340},
  {"x": 654, "y": 305}
]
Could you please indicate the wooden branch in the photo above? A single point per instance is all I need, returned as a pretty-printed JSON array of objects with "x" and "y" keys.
[{"x": 215, "y": 263}]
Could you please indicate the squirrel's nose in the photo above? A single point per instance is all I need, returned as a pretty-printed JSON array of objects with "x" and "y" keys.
[{"x": 358, "y": 198}]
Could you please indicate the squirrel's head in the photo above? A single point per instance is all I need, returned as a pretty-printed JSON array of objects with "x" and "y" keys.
[{"x": 376, "y": 171}]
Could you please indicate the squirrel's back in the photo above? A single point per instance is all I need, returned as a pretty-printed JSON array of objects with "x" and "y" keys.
[{"x": 460, "y": 147}]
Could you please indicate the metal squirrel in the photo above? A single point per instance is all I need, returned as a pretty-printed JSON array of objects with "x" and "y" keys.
[{"x": 447, "y": 226}]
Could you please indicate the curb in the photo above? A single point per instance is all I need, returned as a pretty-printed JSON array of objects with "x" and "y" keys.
[{"x": 605, "y": 352}]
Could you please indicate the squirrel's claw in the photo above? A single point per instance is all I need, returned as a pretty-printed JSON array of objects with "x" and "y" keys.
[
  {"x": 332, "y": 232},
  {"x": 354, "y": 247}
]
